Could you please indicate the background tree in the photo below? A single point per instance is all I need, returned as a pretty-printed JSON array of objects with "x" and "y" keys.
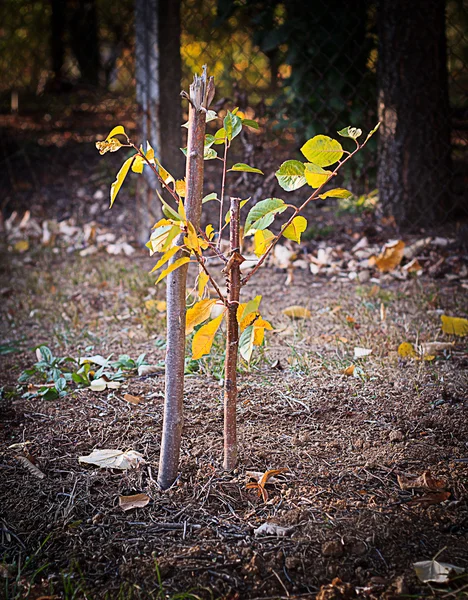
[
  {"x": 414, "y": 161},
  {"x": 84, "y": 38}
]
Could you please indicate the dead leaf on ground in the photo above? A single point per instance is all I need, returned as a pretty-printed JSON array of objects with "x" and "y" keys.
[
  {"x": 424, "y": 482},
  {"x": 297, "y": 312},
  {"x": 435, "y": 347},
  {"x": 429, "y": 499},
  {"x": 135, "y": 501},
  {"x": 361, "y": 352},
  {"x": 259, "y": 485},
  {"x": 432, "y": 570},
  {"x": 454, "y": 325},
  {"x": 391, "y": 256},
  {"x": 272, "y": 529},
  {"x": 132, "y": 399},
  {"x": 413, "y": 267},
  {"x": 30, "y": 466},
  {"x": 336, "y": 590},
  {"x": 99, "y": 385},
  {"x": 349, "y": 371},
  {"x": 113, "y": 459}
]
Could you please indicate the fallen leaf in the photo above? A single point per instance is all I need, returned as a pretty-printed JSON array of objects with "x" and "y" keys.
[
  {"x": 406, "y": 350},
  {"x": 297, "y": 312},
  {"x": 259, "y": 485},
  {"x": 30, "y": 466},
  {"x": 361, "y": 352},
  {"x": 391, "y": 256},
  {"x": 135, "y": 501},
  {"x": 133, "y": 399},
  {"x": 430, "y": 499},
  {"x": 454, "y": 325},
  {"x": 272, "y": 529},
  {"x": 432, "y": 570},
  {"x": 424, "y": 482},
  {"x": 21, "y": 246},
  {"x": 150, "y": 370},
  {"x": 349, "y": 371},
  {"x": 413, "y": 267},
  {"x": 99, "y": 385},
  {"x": 435, "y": 347},
  {"x": 113, "y": 459}
]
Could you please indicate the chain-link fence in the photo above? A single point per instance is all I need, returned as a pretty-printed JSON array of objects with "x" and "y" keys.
[{"x": 67, "y": 74}]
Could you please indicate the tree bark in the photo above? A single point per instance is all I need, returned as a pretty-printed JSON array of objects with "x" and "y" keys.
[
  {"x": 200, "y": 98},
  {"x": 414, "y": 147},
  {"x": 232, "y": 341},
  {"x": 170, "y": 76}
]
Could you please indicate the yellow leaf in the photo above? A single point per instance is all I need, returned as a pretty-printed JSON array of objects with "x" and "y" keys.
[
  {"x": 297, "y": 312},
  {"x": 161, "y": 305},
  {"x": 181, "y": 188},
  {"x": 138, "y": 164},
  {"x": 150, "y": 304},
  {"x": 406, "y": 350},
  {"x": 349, "y": 370},
  {"x": 248, "y": 320},
  {"x": 165, "y": 175},
  {"x": 115, "y": 187},
  {"x": 119, "y": 130},
  {"x": 21, "y": 246},
  {"x": 246, "y": 308},
  {"x": 454, "y": 325},
  {"x": 202, "y": 281},
  {"x": 181, "y": 210},
  {"x": 198, "y": 313},
  {"x": 175, "y": 265},
  {"x": 294, "y": 230},
  {"x": 191, "y": 239},
  {"x": 165, "y": 257},
  {"x": 209, "y": 231},
  {"x": 391, "y": 256},
  {"x": 203, "y": 339},
  {"x": 262, "y": 240},
  {"x": 162, "y": 237},
  {"x": 108, "y": 146},
  {"x": 149, "y": 152},
  {"x": 259, "y": 330}
]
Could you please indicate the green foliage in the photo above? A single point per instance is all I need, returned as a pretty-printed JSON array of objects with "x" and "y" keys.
[{"x": 263, "y": 214}]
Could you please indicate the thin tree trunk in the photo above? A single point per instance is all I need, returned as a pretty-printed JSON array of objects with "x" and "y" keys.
[
  {"x": 232, "y": 341},
  {"x": 200, "y": 98},
  {"x": 170, "y": 75},
  {"x": 148, "y": 97},
  {"x": 414, "y": 147}
]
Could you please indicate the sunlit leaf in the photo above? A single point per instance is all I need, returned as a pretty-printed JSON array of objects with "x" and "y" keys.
[
  {"x": 259, "y": 330},
  {"x": 322, "y": 150},
  {"x": 209, "y": 197},
  {"x": 232, "y": 125},
  {"x": 113, "y": 459},
  {"x": 406, "y": 350},
  {"x": 175, "y": 265},
  {"x": 115, "y": 187},
  {"x": 198, "y": 313},
  {"x": 262, "y": 240},
  {"x": 165, "y": 258},
  {"x": 371, "y": 133},
  {"x": 202, "y": 281},
  {"x": 203, "y": 339},
  {"x": 138, "y": 164},
  {"x": 181, "y": 188},
  {"x": 165, "y": 175},
  {"x": 209, "y": 231},
  {"x": 244, "y": 168},
  {"x": 263, "y": 214},
  {"x": 391, "y": 256},
  {"x": 108, "y": 146},
  {"x": 350, "y": 132},
  {"x": 315, "y": 175},
  {"x": 209, "y": 154},
  {"x": 336, "y": 193},
  {"x": 295, "y": 228},
  {"x": 454, "y": 325},
  {"x": 291, "y": 176},
  {"x": 119, "y": 130},
  {"x": 246, "y": 343},
  {"x": 244, "y": 309},
  {"x": 220, "y": 136}
]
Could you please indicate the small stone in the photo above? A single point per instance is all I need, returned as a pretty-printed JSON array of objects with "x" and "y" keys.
[
  {"x": 395, "y": 436},
  {"x": 332, "y": 548},
  {"x": 364, "y": 276}
]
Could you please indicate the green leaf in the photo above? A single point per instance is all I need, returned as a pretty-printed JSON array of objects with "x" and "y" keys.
[
  {"x": 263, "y": 214},
  {"x": 290, "y": 175},
  {"x": 350, "y": 132},
  {"x": 209, "y": 153},
  {"x": 175, "y": 265},
  {"x": 209, "y": 140},
  {"x": 232, "y": 125},
  {"x": 115, "y": 187},
  {"x": 209, "y": 197},
  {"x": 336, "y": 193},
  {"x": 168, "y": 211},
  {"x": 119, "y": 130},
  {"x": 244, "y": 168},
  {"x": 246, "y": 343},
  {"x": 371, "y": 133},
  {"x": 250, "y": 123},
  {"x": 315, "y": 175},
  {"x": 295, "y": 228},
  {"x": 220, "y": 136},
  {"x": 322, "y": 150}
]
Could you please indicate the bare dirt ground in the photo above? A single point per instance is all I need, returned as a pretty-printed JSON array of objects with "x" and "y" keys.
[{"x": 350, "y": 530}]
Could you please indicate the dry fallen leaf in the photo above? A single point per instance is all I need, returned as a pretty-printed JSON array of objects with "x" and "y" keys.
[
  {"x": 99, "y": 385},
  {"x": 113, "y": 459},
  {"x": 432, "y": 570},
  {"x": 297, "y": 312},
  {"x": 30, "y": 466},
  {"x": 133, "y": 399},
  {"x": 135, "y": 501},
  {"x": 391, "y": 256},
  {"x": 406, "y": 350},
  {"x": 454, "y": 325},
  {"x": 272, "y": 529},
  {"x": 349, "y": 371},
  {"x": 435, "y": 347},
  {"x": 430, "y": 499},
  {"x": 361, "y": 352},
  {"x": 413, "y": 267},
  {"x": 259, "y": 485},
  {"x": 424, "y": 482}
]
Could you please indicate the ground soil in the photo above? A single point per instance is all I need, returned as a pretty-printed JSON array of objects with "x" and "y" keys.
[{"x": 344, "y": 440}]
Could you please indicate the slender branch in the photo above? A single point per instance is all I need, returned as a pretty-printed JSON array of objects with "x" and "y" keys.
[
  {"x": 211, "y": 280},
  {"x": 313, "y": 196},
  {"x": 156, "y": 172},
  {"x": 223, "y": 184},
  {"x": 213, "y": 247}
]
